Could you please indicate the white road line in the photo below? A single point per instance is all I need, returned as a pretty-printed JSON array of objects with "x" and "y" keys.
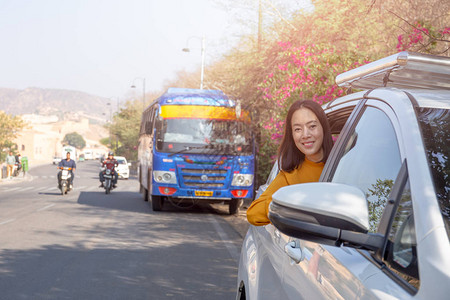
[
  {"x": 12, "y": 189},
  {"x": 232, "y": 249},
  {"x": 41, "y": 188},
  {"x": 45, "y": 207},
  {"x": 7, "y": 221},
  {"x": 27, "y": 188},
  {"x": 44, "y": 177}
]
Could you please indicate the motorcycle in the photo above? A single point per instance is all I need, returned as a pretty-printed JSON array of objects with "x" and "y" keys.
[
  {"x": 65, "y": 180},
  {"x": 16, "y": 169},
  {"x": 108, "y": 176}
]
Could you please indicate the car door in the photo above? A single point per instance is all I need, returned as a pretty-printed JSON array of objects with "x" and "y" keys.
[
  {"x": 366, "y": 155},
  {"x": 265, "y": 247}
]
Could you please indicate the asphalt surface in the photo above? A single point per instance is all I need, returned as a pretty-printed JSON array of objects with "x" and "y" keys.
[{"x": 88, "y": 245}]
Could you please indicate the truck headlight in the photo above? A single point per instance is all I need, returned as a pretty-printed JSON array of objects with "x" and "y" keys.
[
  {"x": 164, "y": 177},
  {"x": 242, "y": 180}
]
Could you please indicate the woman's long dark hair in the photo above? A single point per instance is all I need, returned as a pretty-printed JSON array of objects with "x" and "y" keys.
[{"x": 289, "y": 157}]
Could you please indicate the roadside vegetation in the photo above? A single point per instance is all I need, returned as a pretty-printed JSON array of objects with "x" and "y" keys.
[
  {"x": 297, "y": 55},
  {"x": 10, "y": 126},
  {"x": 74, "y": 139}
]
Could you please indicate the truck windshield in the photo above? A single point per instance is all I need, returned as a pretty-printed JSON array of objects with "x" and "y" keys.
[
  {"x": 218, "y": 136},
  {"x": 435, "y": 125}
]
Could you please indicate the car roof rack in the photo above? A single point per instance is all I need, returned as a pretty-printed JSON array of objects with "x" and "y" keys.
[{"x": 402, "y": 70}]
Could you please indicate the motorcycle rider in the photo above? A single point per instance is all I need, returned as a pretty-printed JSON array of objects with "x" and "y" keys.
[
  {"x": 109, "y": 163},
  {"x": 70, "y": 163},
  {"x": 18, "y": 158}
]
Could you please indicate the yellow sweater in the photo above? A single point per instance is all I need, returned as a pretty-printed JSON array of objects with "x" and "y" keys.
[{"x": 257, "y": 213}]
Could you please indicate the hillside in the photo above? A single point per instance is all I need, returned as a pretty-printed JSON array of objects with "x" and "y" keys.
[{"x": 62, "y": 103}]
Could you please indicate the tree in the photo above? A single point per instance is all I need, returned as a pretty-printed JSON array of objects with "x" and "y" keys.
[
  {"x": 125, "y": 129},
  {"x": 420, "y": 25},
  {"x": 74, "y": 139},
  {"x": 10, "y": 126}
]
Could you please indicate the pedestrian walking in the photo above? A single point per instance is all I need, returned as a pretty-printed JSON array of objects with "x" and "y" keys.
[{"x": 10, "y": 161}]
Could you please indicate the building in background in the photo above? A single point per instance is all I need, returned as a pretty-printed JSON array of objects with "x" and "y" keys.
[{"x": 42, "y": 139}]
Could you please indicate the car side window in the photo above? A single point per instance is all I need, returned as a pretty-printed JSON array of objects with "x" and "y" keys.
[
  {"x": 370, "y": 161},
  {"x": 401, "y": 252}
]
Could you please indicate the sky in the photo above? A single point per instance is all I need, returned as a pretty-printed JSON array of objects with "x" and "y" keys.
[{"x": 102, "y": 47}]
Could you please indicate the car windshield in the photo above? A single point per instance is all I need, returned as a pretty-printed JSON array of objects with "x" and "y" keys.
[
  {"x": 205, "y": 135},
  {"x": 121, "y": 161},
  {"x": 435, "y": 125}
]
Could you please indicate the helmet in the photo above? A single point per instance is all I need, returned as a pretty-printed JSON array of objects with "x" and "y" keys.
[{"x": 110, "y": 153}]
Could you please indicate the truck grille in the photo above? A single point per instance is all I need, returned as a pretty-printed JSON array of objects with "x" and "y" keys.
[{"x": 212, "y": 178}]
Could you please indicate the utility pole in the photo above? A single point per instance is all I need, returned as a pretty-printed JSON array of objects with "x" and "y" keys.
[{"x": 259, "y": 26}]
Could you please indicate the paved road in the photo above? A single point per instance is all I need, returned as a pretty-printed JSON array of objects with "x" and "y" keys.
[{"x": 88, "y": 245}]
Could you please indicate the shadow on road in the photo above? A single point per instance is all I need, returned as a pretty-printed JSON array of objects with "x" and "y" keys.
[
  {"x": 53, "y": 194},
  {"x": 144, "y": 264},
  {"x": 132, "y": 201},
  {"x": 117, "y": 200}
]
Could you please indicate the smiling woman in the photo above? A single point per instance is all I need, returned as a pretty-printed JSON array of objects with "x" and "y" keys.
[{"x": 305, "y": 147}]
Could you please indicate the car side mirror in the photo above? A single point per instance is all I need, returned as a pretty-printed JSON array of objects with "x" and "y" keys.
[
  {"x": 129, "y": 164},
  {"x": 323, "y": 212}
]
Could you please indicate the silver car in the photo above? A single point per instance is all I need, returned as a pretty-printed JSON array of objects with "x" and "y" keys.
[{"x": 377, "y": 224}]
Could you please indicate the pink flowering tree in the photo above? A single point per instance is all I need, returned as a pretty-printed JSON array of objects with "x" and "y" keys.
[{"x": 424, "y": 37}]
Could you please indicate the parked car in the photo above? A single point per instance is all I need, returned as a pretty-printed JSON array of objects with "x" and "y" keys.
[
  {"x": 123, "y": 169},
  {"x": 56, "y": 160},
  {"x": 377, "y": 224}
]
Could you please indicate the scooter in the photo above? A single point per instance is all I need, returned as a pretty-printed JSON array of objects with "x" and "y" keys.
[
  {"x": 16, "y": 169},
  {"x": 65, "y": 180},
  {"x": 108, "y": 175}
]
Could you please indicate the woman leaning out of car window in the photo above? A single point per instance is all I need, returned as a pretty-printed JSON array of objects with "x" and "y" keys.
[{"x": 302, "y": 154}]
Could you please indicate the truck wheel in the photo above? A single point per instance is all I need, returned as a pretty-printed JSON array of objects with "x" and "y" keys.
[
  {"x": 157, "y": 203},
  {"x": 235, "y": 204}
]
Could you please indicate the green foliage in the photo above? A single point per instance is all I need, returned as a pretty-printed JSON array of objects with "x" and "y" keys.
[
  {"x": 74, "y": 139},
  {"x": 10, "y": 126},
  {"x": 125, "y": 130},
  {"x": 105, "y": 141},
  {"x": 377, "y": 200}
]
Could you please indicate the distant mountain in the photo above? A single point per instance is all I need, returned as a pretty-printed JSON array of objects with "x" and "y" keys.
[{"x": 63, "y": 103}]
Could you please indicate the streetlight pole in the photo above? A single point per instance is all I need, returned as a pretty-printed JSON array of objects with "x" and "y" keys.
[
  {"x": 203, "y": 40},
  {"x": 117, "y": 114},
  {"x": 110, "y": 124},
  {"x": 143, "y": 90}
]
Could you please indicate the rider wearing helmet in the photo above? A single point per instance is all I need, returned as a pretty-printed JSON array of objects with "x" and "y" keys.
[{"x": 109, "y": 163}]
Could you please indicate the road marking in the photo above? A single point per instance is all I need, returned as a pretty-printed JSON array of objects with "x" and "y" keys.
[
  {"x": 41, "y": 188},
  {"x": 7, "y": 221},
  {"x": 12, "y": 189},
  {"x": 44, "y": 177},
  {"x": 27, "y": 188},
  {"x": 45, "y": 207},
  {"x": 232, "y": 249}
]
